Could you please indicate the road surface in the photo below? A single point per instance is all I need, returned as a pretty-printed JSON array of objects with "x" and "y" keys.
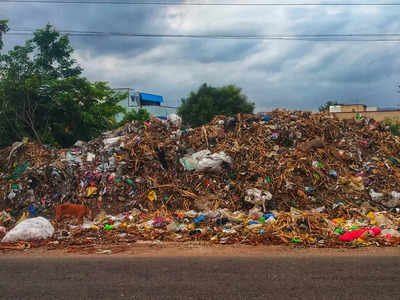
[{"x": 109, "y": 277}]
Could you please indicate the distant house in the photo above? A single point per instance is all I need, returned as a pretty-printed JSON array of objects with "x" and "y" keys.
[
  {"x": 154, "y": 104},
  {"x": 351, "y": 111},
  {"x": 347, "y": 108}
]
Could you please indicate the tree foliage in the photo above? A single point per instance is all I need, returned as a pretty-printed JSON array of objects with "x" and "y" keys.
[
  {"x": 141, "y": 115},
  {"x": 325, "y": 107},
  {"x": 394, "y": 125},
  {"x": 43, "y": 96},
  {"x": 3, "y": 29},
  {"x": 201, "y": 106}
]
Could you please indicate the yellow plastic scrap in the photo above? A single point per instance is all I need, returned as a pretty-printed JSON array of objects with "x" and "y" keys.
[
  {"x": 371, "y": 216},
  {"x": 338, "y": 221},
  {"x": 152, "y": 196},
  {"x": 91, "y": 190},
  {"x": 309, "y": 238}
]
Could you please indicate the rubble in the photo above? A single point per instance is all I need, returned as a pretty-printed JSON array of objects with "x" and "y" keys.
[{"x": 299, "y": 170}]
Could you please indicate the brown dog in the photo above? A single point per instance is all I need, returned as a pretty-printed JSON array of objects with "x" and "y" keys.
[{"x": 72, "y": 210}]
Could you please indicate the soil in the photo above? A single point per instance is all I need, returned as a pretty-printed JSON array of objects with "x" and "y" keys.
[{"x": 160, "y": 249}]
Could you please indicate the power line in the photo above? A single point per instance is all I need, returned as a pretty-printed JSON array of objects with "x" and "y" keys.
[
  {"x": 30, "y": 30},
  {"x": 162, "y": 3},
  {"x": 375, "y": 37}
]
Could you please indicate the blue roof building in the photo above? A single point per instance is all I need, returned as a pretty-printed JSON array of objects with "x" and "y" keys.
[{"x": 154, "y": 104}]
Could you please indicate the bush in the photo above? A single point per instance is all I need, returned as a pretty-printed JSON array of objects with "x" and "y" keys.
[
  {"x": 141, "y": 116},
  {"x": 394, "y": 125}
]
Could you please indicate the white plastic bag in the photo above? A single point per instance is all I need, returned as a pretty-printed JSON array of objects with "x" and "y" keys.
[
  {"x": 205, "y": 161},
  {"x": 395, "y": 195},
  {"x": 394, "y": 201},
  {"x": 90, "y": 157},
  {"x": 374, "y": 195},
  {"x": 213, "y": 162},
  {"x": 110, "y": 141},
  {"x": 190, "y": 162},
  {"x": 175, "y": 120},
  {"x": 257, "y": 197},
  {"x": 30, "y": 229}
]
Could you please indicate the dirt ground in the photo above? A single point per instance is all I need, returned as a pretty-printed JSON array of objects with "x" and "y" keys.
[{"x": 157, "y": 249}]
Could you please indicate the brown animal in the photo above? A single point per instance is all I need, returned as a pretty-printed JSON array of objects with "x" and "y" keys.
[{"x": 72, "y": 210}]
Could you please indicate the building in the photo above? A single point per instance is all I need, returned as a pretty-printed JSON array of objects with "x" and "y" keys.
[
  {"x": 348, "y": 107},
  {"x": 351, "y": 111},
  {"x": 154, "y": 104}
]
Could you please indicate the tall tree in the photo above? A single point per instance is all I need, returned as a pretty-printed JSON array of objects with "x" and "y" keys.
[
  {"x": 3, "y": 29},
  {"x": 201, "y": 106},
  {"x": 43, "y": 96}
]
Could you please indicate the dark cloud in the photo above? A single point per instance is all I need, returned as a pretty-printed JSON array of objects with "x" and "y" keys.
[
  {"x": 209, "y": 51},
  {"x": 290, "y": 74}
]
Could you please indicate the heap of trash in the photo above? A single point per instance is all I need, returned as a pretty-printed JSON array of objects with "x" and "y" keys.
[{"x": 286, "y": 177}]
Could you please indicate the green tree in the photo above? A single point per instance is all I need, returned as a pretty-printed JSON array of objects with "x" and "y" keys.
[
  {"x": 141, "y": 115},
  {"x": 201, "y": 106},
  {"x": 43, "y": 96},
  {"x": 325, "y": 107},
  {"x": 394, "y": 125},
  {"x": 3, "y": 29}
]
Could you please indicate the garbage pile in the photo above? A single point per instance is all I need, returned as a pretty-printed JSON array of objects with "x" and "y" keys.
[
  {"x": 248, "y": 165},
  {"x": 313, "y": 228}
]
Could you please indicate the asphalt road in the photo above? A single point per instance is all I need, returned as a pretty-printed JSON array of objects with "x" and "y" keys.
[{"x": 200, "y": 278}]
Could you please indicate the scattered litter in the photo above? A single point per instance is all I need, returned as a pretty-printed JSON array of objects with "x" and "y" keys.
[
  {"x": 104, "y": 252},
  {"x": 289, "y": 177}
]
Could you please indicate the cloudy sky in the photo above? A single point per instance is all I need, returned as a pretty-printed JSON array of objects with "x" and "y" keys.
[{"x": 272, "y": 73}]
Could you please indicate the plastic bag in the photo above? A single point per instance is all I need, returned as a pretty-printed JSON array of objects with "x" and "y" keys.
[
  {"x": 205, "y": 161},
  {"x": 384, "y": 221},
  {"x": 394, "y": 201},
  {"x": 30, "y": 229},
  {"x": 213, "y": 162},
  {"x": 257, "y": 197},
  {"x": 175, "y": 120},
  {"x": 374, "y": 195},
  {"x": 19, "y": 170},
  {"x": 111, "y": 141},
  {"x": 391, "y": 233},
  {"x": 190, "y": 162}
]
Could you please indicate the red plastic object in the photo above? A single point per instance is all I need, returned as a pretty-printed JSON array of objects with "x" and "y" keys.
[{"x": 355, "y": 234}]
